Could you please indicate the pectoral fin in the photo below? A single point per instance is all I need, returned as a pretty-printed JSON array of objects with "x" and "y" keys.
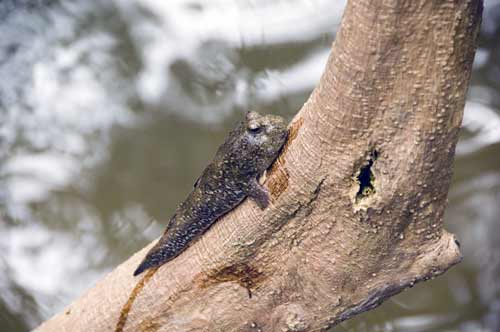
[{"x": 259, "y": 194}]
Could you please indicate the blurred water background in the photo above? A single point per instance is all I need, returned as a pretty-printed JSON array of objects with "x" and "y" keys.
[{"x": 110, "y": 109}]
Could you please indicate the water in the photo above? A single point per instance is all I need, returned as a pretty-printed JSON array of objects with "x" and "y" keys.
[{"x": 110, "y": 109}]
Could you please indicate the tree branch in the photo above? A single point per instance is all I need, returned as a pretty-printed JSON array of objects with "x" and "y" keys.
[{"x": 358, "y": 194}]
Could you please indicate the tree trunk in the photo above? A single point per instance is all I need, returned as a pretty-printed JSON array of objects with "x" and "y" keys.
[{"x": 358, "y": 194}]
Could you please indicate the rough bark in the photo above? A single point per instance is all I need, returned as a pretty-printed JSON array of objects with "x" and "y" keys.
[{"x": 358, "y": 194}]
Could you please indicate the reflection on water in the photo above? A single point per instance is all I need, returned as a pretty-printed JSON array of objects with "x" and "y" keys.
[{"x": 110, "y": 110}]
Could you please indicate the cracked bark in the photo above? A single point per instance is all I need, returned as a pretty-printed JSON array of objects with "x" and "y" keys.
[{"x": 390, "y": 102}]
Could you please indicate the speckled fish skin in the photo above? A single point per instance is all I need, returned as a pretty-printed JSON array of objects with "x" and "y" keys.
[{"x": 232, "y": 176}]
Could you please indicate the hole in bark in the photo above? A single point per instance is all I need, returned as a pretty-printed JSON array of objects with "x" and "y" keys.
[{"x": 366, "y": 178}]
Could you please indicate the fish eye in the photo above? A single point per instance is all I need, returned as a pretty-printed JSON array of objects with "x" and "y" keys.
[{"x": 254, "y": 128}]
